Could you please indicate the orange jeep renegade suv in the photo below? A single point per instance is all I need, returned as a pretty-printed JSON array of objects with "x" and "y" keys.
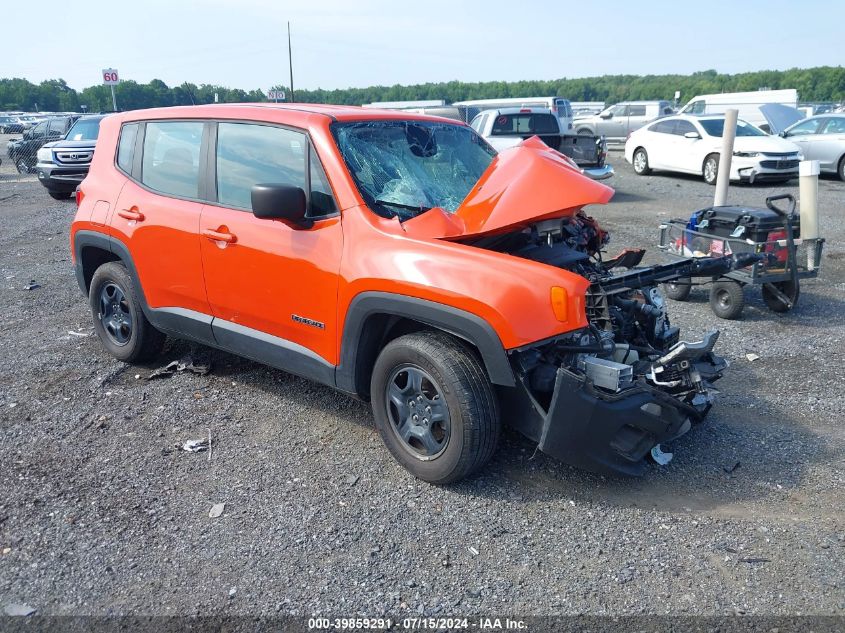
[{"x": 397, "y": 258}]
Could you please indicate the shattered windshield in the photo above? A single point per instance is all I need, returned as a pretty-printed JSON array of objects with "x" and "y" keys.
[{"x": 404, "y": 168}]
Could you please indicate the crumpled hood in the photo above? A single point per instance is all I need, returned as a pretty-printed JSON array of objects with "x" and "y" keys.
[{"x": 523, "y": 185}]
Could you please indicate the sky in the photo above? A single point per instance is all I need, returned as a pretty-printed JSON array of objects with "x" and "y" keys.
[{"x": 359, "y": 43}]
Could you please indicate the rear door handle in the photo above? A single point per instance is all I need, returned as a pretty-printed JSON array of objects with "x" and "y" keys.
[
  {"x": 131, "y": 214},
  {"x": 219, "y": 236}
]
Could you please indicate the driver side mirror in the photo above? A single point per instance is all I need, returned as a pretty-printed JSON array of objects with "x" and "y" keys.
[
  {"x": 783, "y": 134},
  {"x": 693, "y": 135},
  {"x": 606, "y": 115},
  {"x": 280, "y": 202}
]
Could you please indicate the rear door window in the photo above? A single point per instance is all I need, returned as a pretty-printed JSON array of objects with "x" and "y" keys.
[
  {"x": 682, "y": 127},
  {"x": 172, "y": 157},
  {"x": 663, "y": 127},
  {"x": 636, "y": 110},
  {"x": 250, "y": 153},
  {"x": 835, "y": 126}
]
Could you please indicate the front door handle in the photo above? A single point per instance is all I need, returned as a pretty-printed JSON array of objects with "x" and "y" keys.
[
  {"x": 131, "y": 214},
  {"x": 219, "y": 236}
]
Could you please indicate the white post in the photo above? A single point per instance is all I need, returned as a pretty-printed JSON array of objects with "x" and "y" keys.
[
  {"x": 808, "y": 200},
  {"x": 113, "y": 98},
  {"x": 723, "y": 178}
]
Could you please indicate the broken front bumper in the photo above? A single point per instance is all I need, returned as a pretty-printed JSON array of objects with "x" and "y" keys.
[{"x": 608, "y": 433}]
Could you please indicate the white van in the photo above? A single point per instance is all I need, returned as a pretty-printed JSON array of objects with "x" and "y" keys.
[
  {"x": 558, "y": 105},
  {"x": 748, "y": 104}
]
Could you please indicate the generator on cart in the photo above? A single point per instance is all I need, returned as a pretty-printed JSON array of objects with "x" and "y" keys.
[{"x": 773, "y": 232}]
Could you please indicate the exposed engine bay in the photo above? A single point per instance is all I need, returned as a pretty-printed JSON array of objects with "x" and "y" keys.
[{"x": 629, "y": 346}]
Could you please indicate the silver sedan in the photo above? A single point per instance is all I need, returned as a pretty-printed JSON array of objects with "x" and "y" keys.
[{"x": 821, "y": 138}]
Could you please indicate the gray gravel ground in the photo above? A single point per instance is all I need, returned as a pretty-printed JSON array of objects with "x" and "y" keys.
[{"x": 100, "y": 514}]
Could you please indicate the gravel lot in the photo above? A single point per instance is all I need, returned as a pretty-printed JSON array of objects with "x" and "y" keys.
[{"x": 101, "y": 514}]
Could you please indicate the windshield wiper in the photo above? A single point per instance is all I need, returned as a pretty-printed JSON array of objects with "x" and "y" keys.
[{"x": 409, "y": 207}]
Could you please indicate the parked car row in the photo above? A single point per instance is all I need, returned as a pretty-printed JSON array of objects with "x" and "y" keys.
[{"x": 692, "y": 145}]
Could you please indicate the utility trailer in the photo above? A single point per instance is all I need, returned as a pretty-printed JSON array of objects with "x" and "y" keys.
[{"x": 786, "y": 258}]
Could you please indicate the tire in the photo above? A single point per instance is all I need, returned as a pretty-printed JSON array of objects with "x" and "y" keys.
[
  {"x": 727, "y": 299},
  {"x": 60, "y": 195},
  {"x": 678, "y": 290},
  {"x": 119, "y": 320},
  {"x": 774, "y": 303},
  {"x": 710, "y": 169},
  {"x": 21, "y": 166},
  {"x": 585, "y": 131},
  {"x": 640, "y": 162},
  {"x": 841, "y": 170},
  {"x": 442, "y": 377}
]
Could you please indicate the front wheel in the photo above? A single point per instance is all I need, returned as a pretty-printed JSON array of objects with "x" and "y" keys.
[
  {"x": 119, "y": 320},
  {"x": 710, "y": 169},
  {"x": 841, "y": 170},
  {"x": 585, "y": 132},
  {"x": 21, "y": 166},
  {"x": 434, "y": 406},
  {"x": 640, "y": 162}
]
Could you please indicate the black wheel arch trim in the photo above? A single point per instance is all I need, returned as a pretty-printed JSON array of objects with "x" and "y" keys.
[{"x": 465, "y": 325}]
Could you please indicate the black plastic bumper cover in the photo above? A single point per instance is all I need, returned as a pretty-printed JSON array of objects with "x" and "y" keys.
[{"x": 598, "y": 431}]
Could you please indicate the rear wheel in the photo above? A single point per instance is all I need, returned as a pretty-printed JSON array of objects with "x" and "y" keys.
[
  {"x": 727, "y": 299},
  {"x": 841, "y": 170},
  {"x": 679, "y": 290},
  {"x": 775, "y": 302},
  {"x": 710, "y": 169},
  {"x": 640, "y": 162},
  {"x": 434, "y": 406},
  {"x": 119, "y": 320}
]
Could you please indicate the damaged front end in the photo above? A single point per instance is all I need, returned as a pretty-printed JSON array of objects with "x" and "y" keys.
[{"x": 603, "y": 397}]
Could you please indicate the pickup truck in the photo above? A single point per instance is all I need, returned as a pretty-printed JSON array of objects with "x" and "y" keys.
[{"x": 504, "y": 128}]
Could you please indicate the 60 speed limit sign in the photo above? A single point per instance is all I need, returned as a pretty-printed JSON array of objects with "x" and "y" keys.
[{"x": 110, "y": 77}]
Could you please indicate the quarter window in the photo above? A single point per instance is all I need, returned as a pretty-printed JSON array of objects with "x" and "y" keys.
[
  {"x": 126, "y": 146},
  {"x": 171, "y": 157},
  {"x": 249, "y": 154},
  {"x": 320, "y": 202}
]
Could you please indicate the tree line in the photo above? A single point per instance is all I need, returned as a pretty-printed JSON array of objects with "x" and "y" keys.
[{"x": 820, "y": 84}]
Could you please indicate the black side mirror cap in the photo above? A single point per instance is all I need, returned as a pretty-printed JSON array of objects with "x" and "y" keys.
[{"x": 280, "y": 202}]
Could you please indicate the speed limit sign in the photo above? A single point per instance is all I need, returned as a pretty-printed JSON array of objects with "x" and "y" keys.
[{"x": 110, "y": 77}]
